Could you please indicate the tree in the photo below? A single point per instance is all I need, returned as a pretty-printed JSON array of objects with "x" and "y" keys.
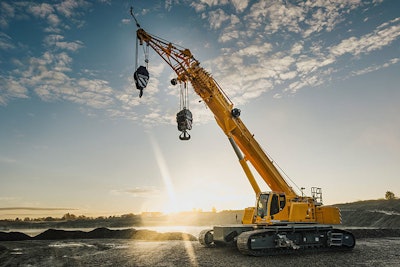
[
  {"x": 69, "y": 217},
  {"x": 389, "y": 195},
  {"x": 49, "y": 219}
]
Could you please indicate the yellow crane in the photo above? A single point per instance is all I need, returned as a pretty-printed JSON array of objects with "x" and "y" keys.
[{"x": 282, "y": 220}]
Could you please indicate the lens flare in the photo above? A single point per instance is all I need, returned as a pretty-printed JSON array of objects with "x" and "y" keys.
[{"x": 164, "y": 171}]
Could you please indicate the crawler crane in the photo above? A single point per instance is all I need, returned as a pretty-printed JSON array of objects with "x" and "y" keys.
[{"x": 281, "y": 221}]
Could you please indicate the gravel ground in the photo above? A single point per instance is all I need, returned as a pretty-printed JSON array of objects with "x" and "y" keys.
[{"x": 116, "y": 252}]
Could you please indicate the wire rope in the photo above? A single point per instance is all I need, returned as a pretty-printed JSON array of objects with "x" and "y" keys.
[{"x": 281, "y": 170}]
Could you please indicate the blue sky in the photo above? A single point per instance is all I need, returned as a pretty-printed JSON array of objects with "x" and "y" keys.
[{"x": 317, "y": 83}]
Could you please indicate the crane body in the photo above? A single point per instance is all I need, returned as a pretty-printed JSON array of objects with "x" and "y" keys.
[{"x": 281, "y": 220}]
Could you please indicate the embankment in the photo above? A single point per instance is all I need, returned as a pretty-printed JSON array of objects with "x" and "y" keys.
[{"x": 98, "y": 233}]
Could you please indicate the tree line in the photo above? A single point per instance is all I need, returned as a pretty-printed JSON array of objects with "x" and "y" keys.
[
  {"x": 73, "y": 217},
  {"x": 73, "y": 221}
]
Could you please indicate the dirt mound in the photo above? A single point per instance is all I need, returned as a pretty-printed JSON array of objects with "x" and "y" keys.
[
  {"x": 392, "y": 205},
  {"x": 107, "y": 233},
  {"x": 13, "y": 236},
  {"x": 371, "y": 213},
  {"x": 98, "y": 233},
  {"x": 368, "y": 218},
  {"x": 52, "y": 234}
]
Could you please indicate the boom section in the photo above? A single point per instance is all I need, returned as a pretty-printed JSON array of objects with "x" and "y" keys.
[
  {"x": 207, "y": 88},
  {"x": 188, "y": 68}
]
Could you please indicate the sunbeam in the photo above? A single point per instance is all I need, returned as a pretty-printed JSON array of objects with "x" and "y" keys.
[
  {"x": 190, "y": 252},
  {"x": 164, "y": 171}
]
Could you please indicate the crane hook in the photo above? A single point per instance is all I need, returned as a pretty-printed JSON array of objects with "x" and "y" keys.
[
  {"x": 141, "y": 77},
  {"x": 184, "y": 136},
  {"x": 184, "y": 119}
]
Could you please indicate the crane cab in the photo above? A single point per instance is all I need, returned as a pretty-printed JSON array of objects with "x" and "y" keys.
[{"x": 271, "y": 208}]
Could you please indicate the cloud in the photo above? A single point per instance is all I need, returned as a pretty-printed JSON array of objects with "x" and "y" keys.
[
  {"x": 286, "y": 17},
  {"x": 325, "y": 14},
  {"x": 54, "y": 13},
  {"x": 211, "y": 3},
  {"x": 126, "y": 21},
  {"x": 36, "y": 208},
  {"x": 68, "y": 7},
  {"x": 6, "y": 42},
  {"x": 254, "y": 50},
  {"x": 264, "y": 46},
  {"x": 256, "y": 65},
  {"x": 10, "y": 89},
  {"x": 57, "y": 41},
  {"x": 216, "y": 18},
  {"x": 305, "y": 18},
  {"x": 44, "y": 11},
  {"x": 297, "y": 48},
  {"x": 228, "y": 36},
  {"x": 198, "y": 7},
  {"x": 41, "y": 10},
  {"x": 144, "y": 191},
  {"x": 375, "y": 67},
  {"x": 384, "y": 35},
  {"x": 48, "y": 75},
  {"x": 7, "y": 12},
  {"x": 307, "y": 65},
  {"x": 240, "y": 5},
  {"x": 168, "y": 5},
  {"x": 53, "y": 20}
]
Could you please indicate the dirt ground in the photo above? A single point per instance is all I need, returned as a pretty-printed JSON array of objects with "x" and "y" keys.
[{"x": 114, "y": 252}]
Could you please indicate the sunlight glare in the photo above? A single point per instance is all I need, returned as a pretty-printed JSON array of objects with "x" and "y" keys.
[
  {"x": 190, "y": 252},
  {"x": 172, "y": 206}
]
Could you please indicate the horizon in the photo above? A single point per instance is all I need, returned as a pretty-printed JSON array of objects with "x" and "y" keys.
[
  {"x": 56, "y": 215},
  {"x": 317, "y": 83}
]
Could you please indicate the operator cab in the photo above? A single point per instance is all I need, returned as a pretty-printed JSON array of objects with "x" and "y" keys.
[{"x": 269, "y": 204}]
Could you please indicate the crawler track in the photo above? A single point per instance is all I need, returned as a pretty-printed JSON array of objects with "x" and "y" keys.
[{"x": 291, "y": 239}]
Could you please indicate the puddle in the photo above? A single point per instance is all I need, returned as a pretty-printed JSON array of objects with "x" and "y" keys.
[
  {"x": 17, "y": 251},
  {"x": 70, "y": 245}
]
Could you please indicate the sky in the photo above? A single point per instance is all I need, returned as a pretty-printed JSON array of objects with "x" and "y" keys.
[{"x": 317, "y": 82}]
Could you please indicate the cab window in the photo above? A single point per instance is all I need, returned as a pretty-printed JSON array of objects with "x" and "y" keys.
[
  {"x": 274, "y": 204},
  {"x": 262, "y": 205}
]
